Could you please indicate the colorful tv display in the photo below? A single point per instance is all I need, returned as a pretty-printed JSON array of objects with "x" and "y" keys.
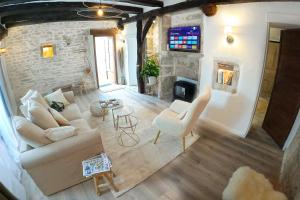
[{"x": 184, "y": 38}]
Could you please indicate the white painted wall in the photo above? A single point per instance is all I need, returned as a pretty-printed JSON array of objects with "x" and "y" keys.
[
  {"x": 233, "y": 112},
  {"x": 129, "y": 33}
]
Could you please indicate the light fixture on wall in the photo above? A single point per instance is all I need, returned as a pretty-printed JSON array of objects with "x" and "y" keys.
[
  {"x": 100, "y": 11},
  {"x": 48, "y": 50},
  {"x": 228, "y": 33}
]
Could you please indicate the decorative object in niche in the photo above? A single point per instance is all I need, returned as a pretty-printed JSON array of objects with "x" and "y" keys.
[
  {"x": 209, "y": 9},
  {"x": 48, "y": 50},
  {"x": 225, "y": 76}
]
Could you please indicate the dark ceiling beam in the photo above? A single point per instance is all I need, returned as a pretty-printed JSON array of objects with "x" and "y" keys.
[
  {"x": 187, "y": 5},
  {"x": 58, "y": 6},
  {"x": 19, "y": 20},
  {"x": 151, "y": 3}
]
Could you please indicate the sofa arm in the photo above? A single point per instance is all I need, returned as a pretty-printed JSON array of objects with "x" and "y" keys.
[
  {"x": 69, "y": 96},
  {"x": 60, "y": 149}
]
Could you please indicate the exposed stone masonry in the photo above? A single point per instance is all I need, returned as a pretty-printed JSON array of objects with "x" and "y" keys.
[
  {"x": 173, "y": 63},
  {"x": 27, "y": 69}
]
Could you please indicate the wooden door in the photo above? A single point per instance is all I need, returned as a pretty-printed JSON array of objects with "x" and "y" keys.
[{"x": 285, "y": 98}]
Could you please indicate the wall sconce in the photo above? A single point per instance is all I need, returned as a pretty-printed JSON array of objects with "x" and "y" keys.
[
  {"x": 47, "y": 50},
  {"x": 2, "y": 50},
  {"x": 228, "y": 33}
]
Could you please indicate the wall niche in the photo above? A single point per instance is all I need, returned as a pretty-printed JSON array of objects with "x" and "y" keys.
[{"x": 225, "y": 76}]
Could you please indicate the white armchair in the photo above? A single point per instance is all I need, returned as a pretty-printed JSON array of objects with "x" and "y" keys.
[{"x": 181, "y": 116}]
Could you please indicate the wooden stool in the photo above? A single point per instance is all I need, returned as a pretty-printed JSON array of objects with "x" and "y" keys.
[{"x": 109, "y": 177}]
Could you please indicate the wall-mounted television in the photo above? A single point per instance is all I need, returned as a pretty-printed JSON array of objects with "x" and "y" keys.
[{"x": 185, "y": 38}]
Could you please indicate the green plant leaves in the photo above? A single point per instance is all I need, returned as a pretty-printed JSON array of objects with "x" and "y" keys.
[{"x": 151, "y": 68}]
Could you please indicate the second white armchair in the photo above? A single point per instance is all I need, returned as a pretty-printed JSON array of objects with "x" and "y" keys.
[{"x": 180, "y": 118}]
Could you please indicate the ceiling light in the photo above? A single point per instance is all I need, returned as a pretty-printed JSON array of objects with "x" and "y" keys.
[{"x": 100, "y": 12}]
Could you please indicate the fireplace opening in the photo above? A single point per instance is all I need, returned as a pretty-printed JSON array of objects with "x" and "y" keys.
[{"x": 184, "y": 91}]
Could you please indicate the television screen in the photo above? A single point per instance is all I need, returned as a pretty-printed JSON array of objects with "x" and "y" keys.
[{"x": 184, "y": 38}]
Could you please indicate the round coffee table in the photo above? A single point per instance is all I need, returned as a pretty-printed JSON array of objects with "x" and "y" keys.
[
  {"x": 126, "y": 123},
  {"x": 101, "y": 108}
]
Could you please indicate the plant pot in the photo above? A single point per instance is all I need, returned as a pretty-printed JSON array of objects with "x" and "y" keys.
[{"x": 151, "y": 80}]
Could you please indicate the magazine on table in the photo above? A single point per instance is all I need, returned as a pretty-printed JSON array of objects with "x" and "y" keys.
[{"x": 95, "y": 165}]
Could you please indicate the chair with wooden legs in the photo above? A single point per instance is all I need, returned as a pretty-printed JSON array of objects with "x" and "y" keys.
[{"x": 180, "y": 118}]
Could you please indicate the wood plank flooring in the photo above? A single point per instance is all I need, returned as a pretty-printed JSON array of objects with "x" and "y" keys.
[{"x": 200, "y": 173}]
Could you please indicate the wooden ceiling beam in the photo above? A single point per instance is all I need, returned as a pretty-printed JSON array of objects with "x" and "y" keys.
[
  {"x": 19, "y": 20},
  {"x": 150, "y": 3},
  {"x": 187, "y": 5},
  {"x": 58, "y": 6}
]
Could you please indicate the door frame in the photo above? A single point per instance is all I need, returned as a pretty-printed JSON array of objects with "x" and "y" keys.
[
  {"x": 102, "y": 33},
  {"x": 273, "y": 18}
]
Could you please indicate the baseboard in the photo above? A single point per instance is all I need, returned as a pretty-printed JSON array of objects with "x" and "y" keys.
[{"x": 218, "y": 127}]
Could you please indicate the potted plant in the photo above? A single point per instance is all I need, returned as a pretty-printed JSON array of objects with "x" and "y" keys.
[{"x": 150, "y": 70}]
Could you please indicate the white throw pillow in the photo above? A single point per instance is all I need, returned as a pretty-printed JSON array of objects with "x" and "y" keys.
[
  {"x": 30, "y": 133},
  {"x": 24, "y": 111},
  {"x": 61, "y": 120},
  {"x": 36, "y": 96},
  {"x": 60, "y": 133},
  {"x": 26, "y": 97},
  {"x": 39, "y": 115},
  {"x": 57, "y": 96}
]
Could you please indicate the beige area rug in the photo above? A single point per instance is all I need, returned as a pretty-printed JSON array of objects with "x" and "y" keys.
[
  {"x": 133, "y": 165},
  {"x": 110, "y": 88}
]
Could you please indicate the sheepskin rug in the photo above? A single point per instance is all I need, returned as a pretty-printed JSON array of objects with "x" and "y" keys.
[{"x": 247, "y": 184}]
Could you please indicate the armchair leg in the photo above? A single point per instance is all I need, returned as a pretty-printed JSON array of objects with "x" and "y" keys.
[
  {"x": 183, "y": 144},
  {"x": 192, "y": 133},
  {"x": 156, "y": 138}
]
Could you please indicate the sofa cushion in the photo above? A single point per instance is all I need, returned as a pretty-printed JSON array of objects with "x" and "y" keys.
[
  {"x": 71, "y": 112},
  {"x": 30, "y": 133},
  {"x": 41, "y": 116},
  {"x": 36, "y": 96},
  {"x": 26, "y": 97},
  {"x": 59, "y": 118},
  {"x": 81, "y": 125},
  {"x": 60, "y": 133},
  {"x": 58, "y": 97}
]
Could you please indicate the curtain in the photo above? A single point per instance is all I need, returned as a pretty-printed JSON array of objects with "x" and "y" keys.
[
  {"x": 10, "y": 169},
  {"x": 7, "y": 133},
  {"x": 10, "y": 173}
]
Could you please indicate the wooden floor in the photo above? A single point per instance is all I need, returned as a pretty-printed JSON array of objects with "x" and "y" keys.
[{"x": 200, "y": 173}]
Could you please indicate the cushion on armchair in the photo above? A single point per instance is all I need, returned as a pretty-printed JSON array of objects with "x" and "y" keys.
[{"x": 30, "y": 133}]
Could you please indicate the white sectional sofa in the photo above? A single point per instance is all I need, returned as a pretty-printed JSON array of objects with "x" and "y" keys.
[{"x": 55, "y": 166}]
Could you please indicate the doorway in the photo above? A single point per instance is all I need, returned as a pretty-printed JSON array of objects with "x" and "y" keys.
[
  {"x": 105, "y": 60},
  {"x": 278, "y": 101}
]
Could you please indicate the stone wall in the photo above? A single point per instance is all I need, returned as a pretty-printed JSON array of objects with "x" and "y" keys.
[
  {"x": 27, "y": 69},
  {"x": 174, "y": 63},
  {"x": 290, "y": 171},
  {"x": 270, "y": 70}
]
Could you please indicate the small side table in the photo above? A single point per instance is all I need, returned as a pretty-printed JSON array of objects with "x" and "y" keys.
[
  {"x": 109, "y": 177},
  {"x": 126, "y": 123}
]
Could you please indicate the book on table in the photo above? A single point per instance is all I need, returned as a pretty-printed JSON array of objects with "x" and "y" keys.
[{"x": 95, "y": 165}]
